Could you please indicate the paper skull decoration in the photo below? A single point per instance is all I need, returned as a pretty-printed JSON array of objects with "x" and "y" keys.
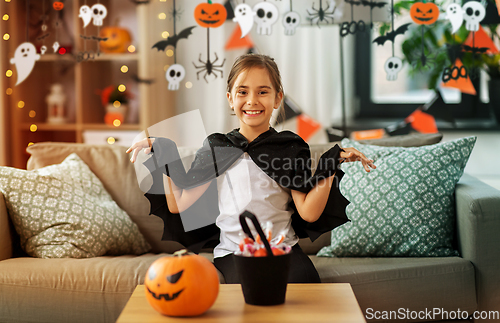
[
  {"x": 474, "y": 13},
  {"x": 181, "y": 285},
  {"x": 267, "y": 16},
  {"x": 392, "y": 67},
  {"x": 210, "y": 15},
  {"x": 175, "y": 74},
  {"x": 291, "y": 21},
  {"x": 99, "y": 12},
  {"x": 424, "y": 13}
]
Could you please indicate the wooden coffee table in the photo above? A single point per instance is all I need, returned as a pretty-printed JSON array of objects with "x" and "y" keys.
[{"x": 304, "y": 303}]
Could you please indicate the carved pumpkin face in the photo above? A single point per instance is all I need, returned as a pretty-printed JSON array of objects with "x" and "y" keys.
[
  {"x": 210, "y": 15},
  {"x": 58, "y": 5},
  {"x": 181, "y": 285},
  {"x": 424, "y": 13},
  {"x": 118, "y": 40}
]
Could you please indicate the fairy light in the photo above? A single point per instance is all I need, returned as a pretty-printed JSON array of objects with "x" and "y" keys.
[
  {"x": 131, "y": 49},
  {"x": 30, "y": 143},
  {"x": 122, "y": 88},
  {"x": 117, "y": 122},
  {"x": 117, "y": 104},
  {"x": 124, "y": 69},
  {"x": 20, "y": 104},
  {"x": 8, "y": 91},
  {"x": 162, "y": 16},
  {"x": 165, "y": 34},
  {"x": 32, "y": 114},
  {"x": 33, "y": 128},
  {"x": 111, "y": 140},
  {"x": 6, "y": 17},
  {"x": 163, "y": 0},
  {"x": 170, "y": 53},
  {"x": 6, "y": 36},
  {"x": 7, "y": 0},
  {"x": 8, "y": 73},
  {"x": 189, "y": 85}
]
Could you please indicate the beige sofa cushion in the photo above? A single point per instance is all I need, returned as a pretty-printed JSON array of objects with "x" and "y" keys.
[{"x": 5, "y": 236}]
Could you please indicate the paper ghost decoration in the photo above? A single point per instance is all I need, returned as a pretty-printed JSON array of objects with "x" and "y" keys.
[
  {"x": 175, "y": 74},
  {"x": 43, "y": 49},
  {"x": 473, "y": 13},
  {"x": 85, "y": 14},
  {"x": 99, "y": 12},
  {"x": 244, "y": 16},
  {"x": 55, "y": 46},
  {"x": 455, "y": 15},
  {"x": 291, "y": 20},
  {"x": 266, "y": 16},
  {"x": 392, "y": 67},
  {"x": 24, "y": 59}
]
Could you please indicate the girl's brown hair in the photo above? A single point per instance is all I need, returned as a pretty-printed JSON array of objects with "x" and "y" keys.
[{"x": 248, "y": 61}]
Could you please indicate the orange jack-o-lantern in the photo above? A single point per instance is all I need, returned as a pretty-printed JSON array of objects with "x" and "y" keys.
[
  {"x": 182, "y": 285},
  {"x": 58, "y": 5},
  {"x": 210, "y": 15},
  {"x": 118, "y": 39},
  {"x": 424, "y": 13}
]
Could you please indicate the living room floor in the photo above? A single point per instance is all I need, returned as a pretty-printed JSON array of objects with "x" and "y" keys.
[{"x": 485, "y": 158}]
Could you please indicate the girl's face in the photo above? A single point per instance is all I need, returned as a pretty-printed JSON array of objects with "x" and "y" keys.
[{"x": 254, "y": 99}]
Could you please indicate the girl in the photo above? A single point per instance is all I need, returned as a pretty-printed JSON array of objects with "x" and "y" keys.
[{"x": 273, "y": 168}]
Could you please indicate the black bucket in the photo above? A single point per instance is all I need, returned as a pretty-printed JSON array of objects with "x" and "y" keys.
[{"x": 263, "y": 279}]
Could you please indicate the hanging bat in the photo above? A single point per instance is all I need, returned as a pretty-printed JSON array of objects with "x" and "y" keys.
[
  {"x": 136, "y": 78},
  {"x": 140, "y": 1},
  {"x": 475, "y": 50},
  {"x": 172, "y": 40},
  {"x": 391, "y": 35},
  {"x": 353, "y": 2},
  {"x": 43, "y": 36},
  {"x": 373, "y": 4}
]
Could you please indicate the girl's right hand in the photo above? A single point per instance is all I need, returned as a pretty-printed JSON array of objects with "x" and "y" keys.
[{"x": 145, "y": 144}]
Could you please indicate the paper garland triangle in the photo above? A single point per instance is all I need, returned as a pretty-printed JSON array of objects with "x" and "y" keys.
[
  {"x": 481, "y": 39},
  {"x": 463, "y": 84},
  {"x": 422, "y": 122},
  {"x": 307, "y": 127},
  {"x": 236, "y": 42}
]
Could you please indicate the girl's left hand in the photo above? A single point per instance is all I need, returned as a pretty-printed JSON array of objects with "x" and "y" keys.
[{"x": 352, "y": 155}]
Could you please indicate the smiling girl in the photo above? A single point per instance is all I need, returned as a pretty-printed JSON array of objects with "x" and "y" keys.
[{"x": 297, "y": 203}]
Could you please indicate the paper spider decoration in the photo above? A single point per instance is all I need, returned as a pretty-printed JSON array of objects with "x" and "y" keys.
[{"x": 320, "y": 15}]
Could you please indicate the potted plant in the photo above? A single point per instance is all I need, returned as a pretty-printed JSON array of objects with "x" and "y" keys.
[{"x": 115, "y": 100}]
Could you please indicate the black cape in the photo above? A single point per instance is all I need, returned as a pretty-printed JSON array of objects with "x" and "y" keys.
[{"x": 283, "y": 156}]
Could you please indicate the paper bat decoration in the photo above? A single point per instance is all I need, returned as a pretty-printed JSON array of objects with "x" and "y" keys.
[
  {"x": 356, "y": 3},
  {"x": 140, "y": 1},
  {"x": 475, "y": 50},
  {"x": 371, "y": 4},
  {"x": 172, "y": 40},
  {"x": 392, "y": 34},
  {"x": 137, "y": 79}
]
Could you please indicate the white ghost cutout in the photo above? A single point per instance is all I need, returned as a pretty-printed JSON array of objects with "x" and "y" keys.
[
  {"x": 55, "y": 46},
  {"x": 266, "y": 16},
  {"x": 474, "y": 13},
  {"x": 86, "y": 15},
  {"x": 291, "y": 21},
  {"x": 99, "y": 12},
  {"x": 24, "y": 59},
  {"x": 175, "y": 74},
  {"x": 455, "y": 15},
  {"x": 392, "y": 67},
  {"x": 244, "y": 16}
]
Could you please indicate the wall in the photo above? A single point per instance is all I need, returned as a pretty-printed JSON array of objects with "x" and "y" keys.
[{"x": 3, "y": 143}]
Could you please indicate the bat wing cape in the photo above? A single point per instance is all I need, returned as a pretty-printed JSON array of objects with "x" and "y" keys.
[{"x": 283, "y": 156}]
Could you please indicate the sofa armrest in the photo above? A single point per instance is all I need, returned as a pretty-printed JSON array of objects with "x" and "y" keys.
[
  {"x": 478, "y": 233},
  {"x": 5, "y": 236}
]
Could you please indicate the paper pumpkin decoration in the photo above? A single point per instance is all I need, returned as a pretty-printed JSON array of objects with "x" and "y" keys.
[
  {"x": 474, "y": 13},
  {"x": 455, "y": 15},
  {"x": 267, "y": 16},
  {"x": 86, "y": 14},
  {"x": 118, "y": 39},
  {"x": 210, "y": 15},
  {"x": 181, "y": 285},
  {"x": 424, "y": 13},
  {"x": 244, "y": 16},
  {"x": 175, "y": 74},
  {"x": 24, "y": 59},
  {"x": 58, "y": 5}
]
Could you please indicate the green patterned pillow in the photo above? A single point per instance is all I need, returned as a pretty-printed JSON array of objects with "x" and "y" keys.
[
  {"x": 63, "y": 211},
  {"x": 406, "y": 206}
]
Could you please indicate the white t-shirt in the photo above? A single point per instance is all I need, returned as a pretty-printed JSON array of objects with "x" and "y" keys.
[{"x": 244, "y": 186}]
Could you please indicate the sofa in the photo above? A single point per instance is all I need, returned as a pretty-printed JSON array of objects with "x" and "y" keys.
[{"x": 97, "y": 289}]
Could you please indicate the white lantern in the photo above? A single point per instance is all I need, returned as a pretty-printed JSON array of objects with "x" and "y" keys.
[{"x": 55, "y": 102}]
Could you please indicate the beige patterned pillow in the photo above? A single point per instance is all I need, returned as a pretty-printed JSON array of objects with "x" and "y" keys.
[{"x": 63, "y": 211}]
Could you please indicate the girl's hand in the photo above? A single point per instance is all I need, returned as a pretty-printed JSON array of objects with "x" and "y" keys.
[
  {"x": 352, "y": 155},
  {"x": 145, "y": 144}
]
